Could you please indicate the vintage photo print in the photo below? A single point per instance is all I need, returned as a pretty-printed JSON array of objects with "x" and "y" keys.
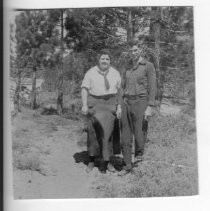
[
  {"x": 54, "y": 56},
  {"x": 102, "y": 102}
]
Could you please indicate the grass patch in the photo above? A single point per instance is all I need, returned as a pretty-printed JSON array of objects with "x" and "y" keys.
[
  {"x": 27, "y": 156},
  {"x": 158, "y": 180},
  {"x": 27, "y": 161},
  {"x": 169, "y": 166},
  {"x": 28, "y": 149}
]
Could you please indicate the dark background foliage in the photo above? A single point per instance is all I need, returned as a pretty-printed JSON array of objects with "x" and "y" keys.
[{"x": 62, "y": 44}]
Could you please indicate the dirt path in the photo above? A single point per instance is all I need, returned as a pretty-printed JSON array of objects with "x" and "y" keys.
[
  {"x": 63, "y": 172},
  {"x": 50, "y": 157}
]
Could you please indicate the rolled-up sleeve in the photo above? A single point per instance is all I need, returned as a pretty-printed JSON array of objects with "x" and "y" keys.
[
  {"x": 86, "y": 81},
  {"x": 151, "y": 75}
]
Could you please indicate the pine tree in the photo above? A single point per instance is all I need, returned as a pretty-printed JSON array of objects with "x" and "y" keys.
[{"x": 31, "y": 33}]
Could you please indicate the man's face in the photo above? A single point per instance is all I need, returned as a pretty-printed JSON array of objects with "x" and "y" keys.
[
  {"x": 135, "y": 52},
  {"x": 104, "y": 62}
]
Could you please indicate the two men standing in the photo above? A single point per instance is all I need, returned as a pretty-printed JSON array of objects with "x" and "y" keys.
[{"x": 132, "y": 105}]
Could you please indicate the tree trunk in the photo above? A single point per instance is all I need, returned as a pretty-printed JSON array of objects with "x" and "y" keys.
[
  {"x": 17, "y": 93},
  {"x": 129, "y": 25},
  {"x": 60, "y": 82},
  {"x": 156, "y": 31},
  {"x": 33, "y": 92},
  {"x": 156, "y": 28}
]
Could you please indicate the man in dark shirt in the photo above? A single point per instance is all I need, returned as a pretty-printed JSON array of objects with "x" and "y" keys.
[{"x": 139, "y": 90}]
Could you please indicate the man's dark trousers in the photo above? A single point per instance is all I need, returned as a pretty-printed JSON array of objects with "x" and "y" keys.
[{"x": 132, "y": 117}]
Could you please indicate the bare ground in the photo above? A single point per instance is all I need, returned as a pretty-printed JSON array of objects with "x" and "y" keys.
[
  {"x": 49, "y": 160},
  {"x": 58, "y": 160}
]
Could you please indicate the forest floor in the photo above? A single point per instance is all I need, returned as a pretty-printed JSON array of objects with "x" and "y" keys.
[{"x": 50, "y": 158}]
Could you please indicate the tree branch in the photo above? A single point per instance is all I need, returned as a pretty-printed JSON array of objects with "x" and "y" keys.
[{"x": 169, "y": 164}]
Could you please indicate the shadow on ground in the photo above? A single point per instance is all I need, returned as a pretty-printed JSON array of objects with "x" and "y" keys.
[
  {"x": 48, "y": 111},
  {"x": 82, "y": 157}
]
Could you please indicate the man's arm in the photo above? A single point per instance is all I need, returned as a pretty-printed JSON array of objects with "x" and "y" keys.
[
  {"x": 86, "y": 84},
  {"x": 151, "y": 76},
  {"x": 84, "y": 94},
  {"x": 119, "y": 97}
]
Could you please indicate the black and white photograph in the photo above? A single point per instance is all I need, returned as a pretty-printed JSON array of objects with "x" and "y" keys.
[{"x": 102, "y": 102}]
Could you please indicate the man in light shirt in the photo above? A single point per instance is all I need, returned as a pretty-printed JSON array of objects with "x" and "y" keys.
[{"x": 101, "y": 100}]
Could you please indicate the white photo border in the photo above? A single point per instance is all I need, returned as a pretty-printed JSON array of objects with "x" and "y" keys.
[{"x": 202, "y": 55}]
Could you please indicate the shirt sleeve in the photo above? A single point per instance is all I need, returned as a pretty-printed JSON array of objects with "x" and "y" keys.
[
  {"x": 151, "y": 75},
  {"x": 119, "y": 89},
  {"x": 119, "y": 81},
  {"x": 86, "y": 81}
]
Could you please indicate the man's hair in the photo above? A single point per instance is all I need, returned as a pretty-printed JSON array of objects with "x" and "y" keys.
[
  {"x": 137, "y": 41},
  {"x": 104, "y": 52}
]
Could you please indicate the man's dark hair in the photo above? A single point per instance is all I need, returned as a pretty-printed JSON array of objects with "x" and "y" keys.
[{"x": 137, "y": 41}]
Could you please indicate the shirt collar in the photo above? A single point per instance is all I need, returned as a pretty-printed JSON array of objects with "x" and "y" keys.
[
  {"x": 141, "y": 61},
  {"x": 101, "y": 72}
]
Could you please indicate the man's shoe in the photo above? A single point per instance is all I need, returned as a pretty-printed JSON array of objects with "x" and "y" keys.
[
  {"x": 139, "y": 153},
  {"x": 138, "y": 158},
  {"x": 110, "y": 167},
  {"x": 103, "y": 171},
  {"x": 90, "y": 167},
  {"x": 103, "y": 167},
  {"x": 125, "y": 170}
]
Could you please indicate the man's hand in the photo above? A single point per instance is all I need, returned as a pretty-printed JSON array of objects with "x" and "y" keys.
[
  {"x": 148, "y": 112},
  {"x": 119, "y": 111},
  {"x": 85, "y": 109}
]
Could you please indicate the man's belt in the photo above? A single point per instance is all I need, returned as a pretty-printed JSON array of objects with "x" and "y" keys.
[{"x": 134, "y": 97}]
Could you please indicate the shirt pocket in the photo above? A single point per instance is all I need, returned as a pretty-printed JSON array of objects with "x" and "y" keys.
[
  {"x": 141, "y": 75},
  {"x": 141, "y": 78}
]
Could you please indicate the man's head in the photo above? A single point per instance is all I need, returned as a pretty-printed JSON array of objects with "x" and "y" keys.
[
  {"x": 104, "y": 59},
  {"x": 136, "y": 48}
]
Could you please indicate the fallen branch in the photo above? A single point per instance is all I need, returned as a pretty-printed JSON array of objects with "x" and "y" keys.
[{"x": 165, "y": 163}]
